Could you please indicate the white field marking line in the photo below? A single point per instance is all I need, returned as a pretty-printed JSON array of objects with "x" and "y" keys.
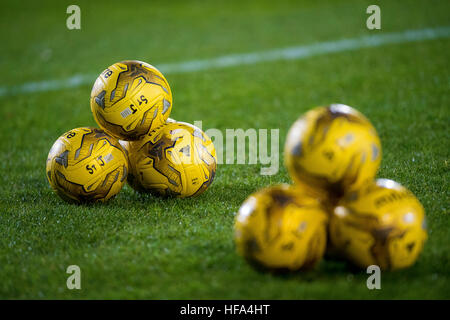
[{"x": 289, "y": 53}]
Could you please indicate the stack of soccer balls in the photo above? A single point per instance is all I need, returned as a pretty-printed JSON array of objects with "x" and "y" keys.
[
  {"x": 131, "y": 102},
  {"x": 332, "y": 154}
]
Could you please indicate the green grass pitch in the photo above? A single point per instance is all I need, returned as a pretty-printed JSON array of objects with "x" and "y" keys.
[{"x": 139, "y": 246}]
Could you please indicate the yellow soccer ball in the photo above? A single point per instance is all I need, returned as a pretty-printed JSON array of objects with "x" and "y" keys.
[
  {"x": 281, "y": 227},
  {"x": 382, "y": 224},
  {"x": 177, "y": 159},
  {"x": 130, "y": 98},
  {"x": 86, "y": 165},
  {"x": 334, "y": 148}
]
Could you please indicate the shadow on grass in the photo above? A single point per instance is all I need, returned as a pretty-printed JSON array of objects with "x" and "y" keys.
[{"x": 225, "y": 196}]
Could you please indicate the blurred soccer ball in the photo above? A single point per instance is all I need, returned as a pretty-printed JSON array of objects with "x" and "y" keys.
[
  {"x": 176, "y": 159},
  {"x": 334, "y": 149},
  {"x": 382, "y": 224},
  {"x": 86, "y": 165},
  {"x": 130, "y": 98},
  {"x": 281, "y": 227}
]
